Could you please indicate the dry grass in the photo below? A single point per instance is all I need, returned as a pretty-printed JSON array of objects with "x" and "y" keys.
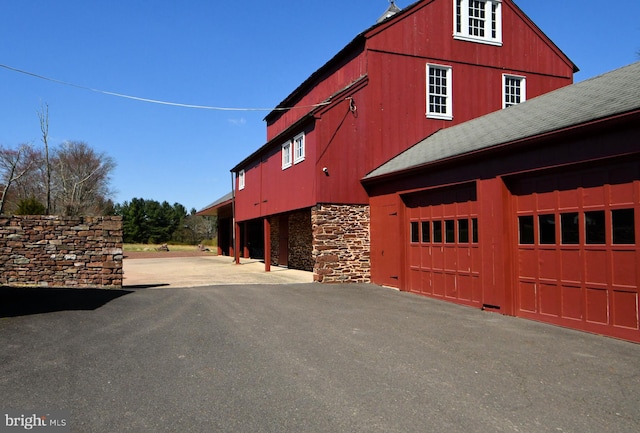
[{"x": 131, "y": 248}]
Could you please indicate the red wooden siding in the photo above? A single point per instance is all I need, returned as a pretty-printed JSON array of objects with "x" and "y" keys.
[{"x": 388, "y": 111}]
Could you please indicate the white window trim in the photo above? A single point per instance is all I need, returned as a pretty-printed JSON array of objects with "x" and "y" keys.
[
  {"x": 523, "y": 89},
  {"x": 300, "y": 138},
  {"x": 464, "y": 34},
  {"x": 287, "y": 155},
  {"x": 449, "y": 105},
  {"x": 241, "y": 176}
]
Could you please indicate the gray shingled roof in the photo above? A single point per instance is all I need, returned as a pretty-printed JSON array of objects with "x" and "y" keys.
[
  {"x": 604, "y": 96},
  {"x": 221, "y": 200}
]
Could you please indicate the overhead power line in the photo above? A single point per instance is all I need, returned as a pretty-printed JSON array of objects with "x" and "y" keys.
[{"x": 153, "y": 101}]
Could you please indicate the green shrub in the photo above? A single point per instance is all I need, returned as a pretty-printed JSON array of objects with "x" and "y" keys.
[{"x": 30, "y": 206}]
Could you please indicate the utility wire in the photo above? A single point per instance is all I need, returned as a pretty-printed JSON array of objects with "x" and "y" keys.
[{"x": 154, "y": 101}]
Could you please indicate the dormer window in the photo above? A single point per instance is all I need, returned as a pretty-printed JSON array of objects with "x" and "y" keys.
[{"x": 478, "y": 21}]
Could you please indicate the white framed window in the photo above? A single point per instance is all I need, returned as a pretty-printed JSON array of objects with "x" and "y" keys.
[
  {"x": 478, "y": 21},
  {"x": 514, "y": 90},
  {"x": 298, "y": 148},
  {"x": 286, "y": 155},
  {"x": 439, "y": 104},
  {"x": 241, "y": 179}
]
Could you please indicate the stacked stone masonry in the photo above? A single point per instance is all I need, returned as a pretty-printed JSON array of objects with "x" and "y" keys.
[
  {"x": 341, "y": 243},
  {"x": 53, "y": 251},
  {"x": 299, "y": 240}
]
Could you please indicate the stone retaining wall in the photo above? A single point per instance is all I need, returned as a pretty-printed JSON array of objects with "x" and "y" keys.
[
  {"x": 341, "y": 243},
  {"x": 53, "y": 251}
]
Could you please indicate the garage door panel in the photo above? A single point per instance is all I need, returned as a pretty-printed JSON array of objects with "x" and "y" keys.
[
  {"x": 451, "y": 288},
  {"x": 625, "y": 309},
  {"x": 547, "y": 201},
  {"x": 548, "y": 265},
  {"x": 596, "y": 267},
  {"x": 438, "y": 284},
  {"x": 571, "y": 265},
  {"x": 597, "y": 301},
  {"x": 464, "y": 259},
  {"x": 593, "y": 197},
  {"x": 572, "y": 302},
  {"x": 465, "y": 287},
  {"x": 527, "y": 297},
  {"x": 549, "y": 300},
  {"x": 426, "y": 283},
  {"x": 528, "y": 263},
  {"x": 450, "y": 259},
  {"x": 624, "y": 268},
  {"x": 415, "y": 280},
  {"x": 621, "y": 194}
]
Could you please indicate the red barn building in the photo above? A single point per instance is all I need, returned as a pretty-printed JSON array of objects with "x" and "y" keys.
[
  {"x": 298, "y": 199},
  {"x": 532, "y": 211}
]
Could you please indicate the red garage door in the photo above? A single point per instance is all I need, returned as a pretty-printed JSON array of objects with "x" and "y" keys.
[
  {"x": 443, "y": 255},
  {"x": 578, "y": 260}
]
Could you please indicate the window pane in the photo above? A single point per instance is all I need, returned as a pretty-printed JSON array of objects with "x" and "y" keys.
[
  {"x": 525, "y": 224},
  {"x": 569, "y": 228},
  {"x": 415, "y": 235},
  {"x": 594, "y": 227},
  {"x": 623, "y": 226},
  {"x": 463, "y": 231},
  {"x": 437, "y": 231},
  {"x": 426, "y": 232},
  {"x": 547, "y": 226},
  {"x": 475, "y": 230},
  {"x": 450, "y": 228}
]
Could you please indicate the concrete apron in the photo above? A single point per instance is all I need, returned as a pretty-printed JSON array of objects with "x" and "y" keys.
[{"x": 205, "y": 271}]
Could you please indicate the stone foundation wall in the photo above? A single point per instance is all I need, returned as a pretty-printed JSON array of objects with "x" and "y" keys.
[
  {"x": 52, "y": 251},
  {"x": 301, "y": 241},
  {"x": 341, "y": 243}
]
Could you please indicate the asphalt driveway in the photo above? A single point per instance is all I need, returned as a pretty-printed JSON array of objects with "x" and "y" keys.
[{"x": 305, "y": 358}]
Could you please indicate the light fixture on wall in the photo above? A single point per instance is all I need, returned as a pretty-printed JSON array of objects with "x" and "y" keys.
[{"x": 325, "y": 170}]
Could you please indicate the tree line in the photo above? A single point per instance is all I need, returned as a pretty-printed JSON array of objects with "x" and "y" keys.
[{"x": 151, "y": 222}]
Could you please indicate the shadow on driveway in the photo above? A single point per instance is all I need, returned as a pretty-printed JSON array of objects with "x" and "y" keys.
[{"x": 26, "y": 301}]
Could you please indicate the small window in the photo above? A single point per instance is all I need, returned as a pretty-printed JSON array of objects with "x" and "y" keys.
[
  {"x": 463, "y": 231},
  {"x": 595, "y": 227},
  {"x": 415, "y": 232},
  {"x": 547, "y": 226},
  {"x": 474, "y": 225},
  {"x": 298, "y": 149},
  {"x": 241, "y": 179},
  {"x": 525, "y": 224},
  {"x": 478, "y": 21},
  {"x": 426, "y": 232},
  {"x": 450, "y": 231},
  {"x": 569, "y": 228},
  {"x": 624, "y": 230},
  {"x": 286, "y": 155},
  {"x": 437, "y": 232},
  {"x": 513, "y": 90},
  {"x": 439, "y": 92}
]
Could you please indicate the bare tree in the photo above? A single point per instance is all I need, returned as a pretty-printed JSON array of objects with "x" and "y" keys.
[
  {"x": 14, "y": 165},
  {"x": 81, "y": 179},
  {"x": 43, "y": 115}
]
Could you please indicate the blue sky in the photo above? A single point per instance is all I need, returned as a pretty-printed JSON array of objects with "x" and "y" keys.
[{"x": 240, "y": 54}]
